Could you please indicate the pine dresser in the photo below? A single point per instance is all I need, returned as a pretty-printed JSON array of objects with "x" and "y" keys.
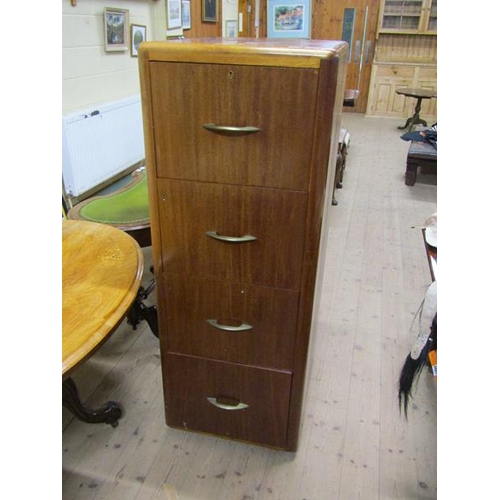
[{"x": 240, "y": 135}]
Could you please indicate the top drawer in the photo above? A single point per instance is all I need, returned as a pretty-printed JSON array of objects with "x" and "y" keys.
[{"x": 186, "y": 97}]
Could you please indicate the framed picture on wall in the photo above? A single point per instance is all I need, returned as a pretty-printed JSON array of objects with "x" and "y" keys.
[
  {"x": 232, "y": 29},
  {"x": 209, "y": 11},
  {"x": 116, "y": 30},
  {"x": 174, "y": 17},
  {"x": 137, "y": 36},
  {"x": 186, "y": 14},
  {"x": 288, "y": 20}
]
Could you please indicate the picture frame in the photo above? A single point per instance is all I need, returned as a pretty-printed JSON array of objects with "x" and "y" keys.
[
  {"x": 286, "y": 19},
  {"x": 137, "y": 36},
  {"x": 174, "y": 14},
  {"x": 186, "y": 14},
  {"x": 231, "y": 29},
  {"x": 116, "y": 29},
  {"x": 210, "y": 11}
]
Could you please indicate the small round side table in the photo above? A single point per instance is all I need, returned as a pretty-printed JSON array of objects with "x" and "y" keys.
[{"x": 418, "y": 94}]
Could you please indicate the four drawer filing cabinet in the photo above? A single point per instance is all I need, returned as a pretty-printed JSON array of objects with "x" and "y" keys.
[{"x": 239, "y": 137}]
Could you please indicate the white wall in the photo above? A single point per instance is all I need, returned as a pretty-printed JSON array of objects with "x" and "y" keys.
[
  {"x": 89, "y": 74},
  {"x": 229, "y": 9}
]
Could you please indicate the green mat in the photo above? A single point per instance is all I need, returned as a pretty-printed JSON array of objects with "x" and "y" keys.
[{"x": 127, "y": 206}]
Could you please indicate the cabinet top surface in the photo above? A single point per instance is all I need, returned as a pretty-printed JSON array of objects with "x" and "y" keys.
[{"x": 294, "y": 52}]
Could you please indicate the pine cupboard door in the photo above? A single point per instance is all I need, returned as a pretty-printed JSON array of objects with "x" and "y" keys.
[
  {"x": 226, "y": 399},
  {"x": 233, "y": 233},
  {"x": 230, "y": 321},
  {"x": 245, "y": 125},
  {"x": 387, "y": 78}
]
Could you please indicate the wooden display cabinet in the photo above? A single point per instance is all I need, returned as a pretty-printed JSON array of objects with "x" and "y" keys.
[
  {"x": 408, "y": 16},
  {"x": 405, "y": 56},
  {"x": 239, "y": 139}
]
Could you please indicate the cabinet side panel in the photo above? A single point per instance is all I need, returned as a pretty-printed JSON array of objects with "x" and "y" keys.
[{"x": 329, "y": 101}]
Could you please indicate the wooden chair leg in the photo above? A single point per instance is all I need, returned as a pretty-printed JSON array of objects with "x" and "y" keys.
[{"x": 338, "y": 171}]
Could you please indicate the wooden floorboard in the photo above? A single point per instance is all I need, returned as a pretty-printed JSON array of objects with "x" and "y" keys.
[{"x": 354, "y": 443}]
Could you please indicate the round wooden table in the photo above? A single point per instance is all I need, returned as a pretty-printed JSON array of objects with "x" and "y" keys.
[
  {"x": 125, "y": 208},
  {"x": 418, "y": 94},
  {"x": 101, "y": 273}
]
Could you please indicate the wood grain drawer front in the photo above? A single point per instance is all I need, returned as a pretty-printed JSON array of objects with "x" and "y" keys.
[
  {"x": 230, "y": 322},
  {"x": 276, "y": 218},
  {"x": 187, "y": 96},
  {"x": 253, "y": 403}
]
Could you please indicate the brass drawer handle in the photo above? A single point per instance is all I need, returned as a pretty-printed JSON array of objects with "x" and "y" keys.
[
  {"x": 228, "y": 328},
  {"x": 230, "y": 239},
  {"x": 228, "y": 130},
  {"x": 225, "y": 406}
]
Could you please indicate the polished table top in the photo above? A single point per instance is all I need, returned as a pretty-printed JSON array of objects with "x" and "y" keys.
[
  {"x": 414, "y": 92},
  {"x": 101, "y": 274}
]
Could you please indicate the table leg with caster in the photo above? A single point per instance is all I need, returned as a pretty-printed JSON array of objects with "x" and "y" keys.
[{"x": 109, "y": 413}]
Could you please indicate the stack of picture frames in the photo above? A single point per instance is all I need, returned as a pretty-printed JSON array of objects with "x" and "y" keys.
[
  {"x": 173, "y": 10},
  {"x": 179, "y": 13},
  {"x": 119, "y": 35}
]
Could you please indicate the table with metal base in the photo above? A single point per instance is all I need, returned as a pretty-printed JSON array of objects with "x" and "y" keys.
[{"x": 419, "y": 95}]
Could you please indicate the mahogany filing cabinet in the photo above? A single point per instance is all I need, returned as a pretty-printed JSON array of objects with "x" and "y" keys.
[{"x": 241, "y": 139}]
